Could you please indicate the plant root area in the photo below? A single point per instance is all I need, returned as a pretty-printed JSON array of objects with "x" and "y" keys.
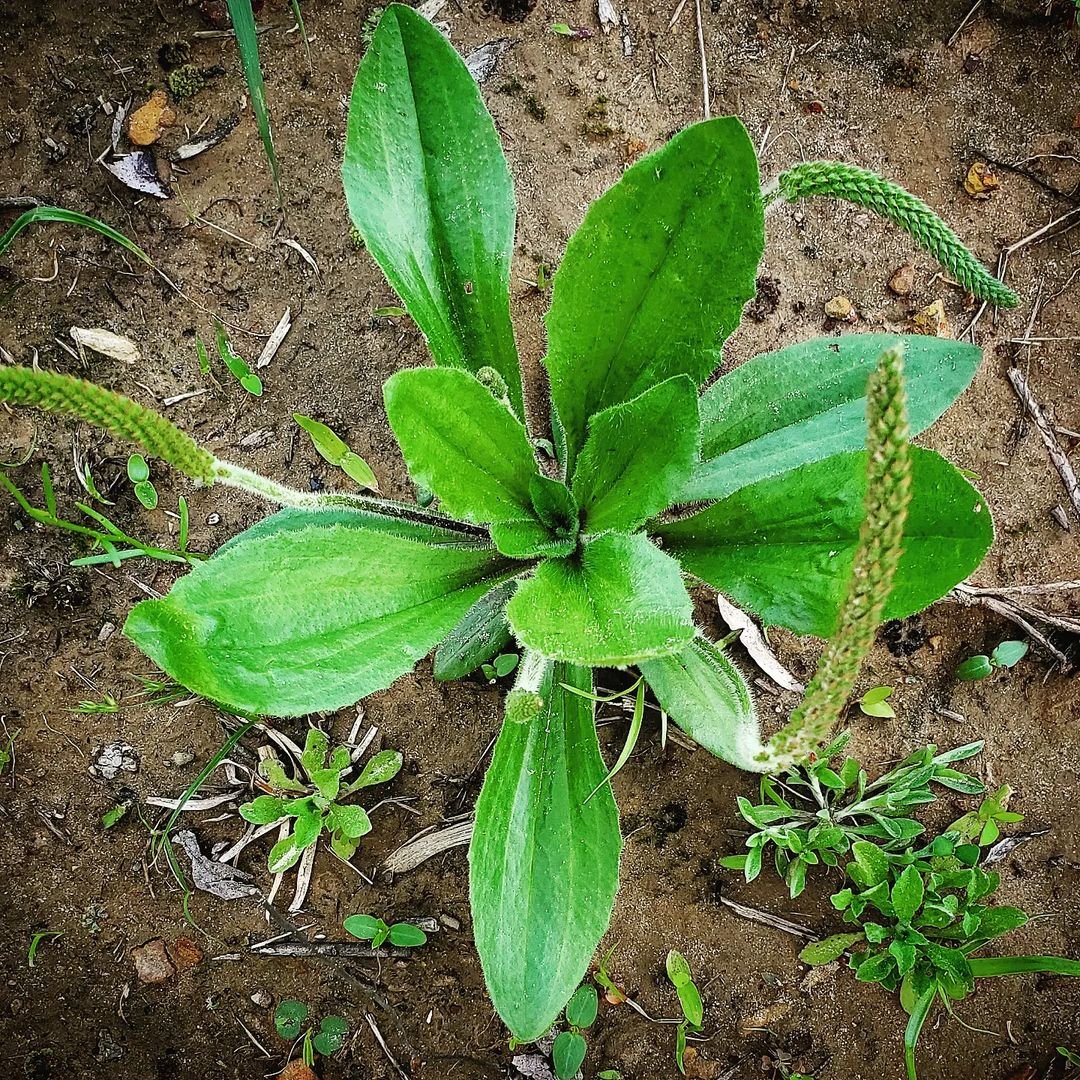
[{"x": 139, "y": 981}]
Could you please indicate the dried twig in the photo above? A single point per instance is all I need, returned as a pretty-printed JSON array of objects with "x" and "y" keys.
[
  {"x": 427, "y": 844},
  {"x": 706, "y": 96},
  {"x": 763, "y": 917},
  {"x": 385, "y": 1049}
]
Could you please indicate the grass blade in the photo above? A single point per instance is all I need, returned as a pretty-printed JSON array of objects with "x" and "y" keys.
[
  {"x": 985, "y": 966},
  {"x": 57, "y": 214},
  {"x": 914, "y": 1029},
  {"x": 247, "y": 41}
]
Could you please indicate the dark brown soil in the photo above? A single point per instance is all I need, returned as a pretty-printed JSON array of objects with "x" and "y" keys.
[{"x": 874, "y": 84}]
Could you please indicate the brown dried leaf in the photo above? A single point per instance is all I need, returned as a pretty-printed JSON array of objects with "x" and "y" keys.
[{"x": 981, "y": 180}]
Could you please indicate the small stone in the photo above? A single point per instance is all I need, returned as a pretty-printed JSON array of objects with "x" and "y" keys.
[
  {"x": 840, "y": 308},
  {"x": 297, "y": 1070},
  {"x": 152, "y": 963},
  {"x": 450, "y": 922},
  {"x": 902, "y": 283},
  {"x": 148, "y": 121},
  {"x": 187, "y": 953},
  {"x": 932, "y": 320},
  {"x": 262, "y": 999},
  {"x": 601, "y": 75},
  {"x": 108, "y": 1049},
  {"x": 107, "y": 630},
  {"x": 213, "y": 519},
  {"x": 114, "y": 759},
  {"x": 181, "y": 758}
]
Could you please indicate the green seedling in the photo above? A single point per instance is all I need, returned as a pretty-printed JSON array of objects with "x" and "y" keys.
[
  {"x": 35, "y": 943},
  {"x": 1008, "y": 654},
  {"x": 920, "y": 915},
  {"x": 336, "y": 451},
  {"x": 314, "y": 800},
  {"x": 570, "y": 1047},
  {"x": 983, "y": 826},
  {"x": 291, "y": 1021},
  {"x": 678, "y": 972},
  {"x": 797, "y": 466},
  {"x": 55, "y": 214},
  {"x": 7, "y": 752},
  {"x": 368, "y": 928},
  {"x": 875, "y": 702},
  {"x": 236, "y": 364},
  {"x": 501, "y": 666},
  {"x": 815, "y": 813},
  {"x": 106, "y": 705},
  {"x": 391, "y": 311},
  {"x": 139, "y": 474}
]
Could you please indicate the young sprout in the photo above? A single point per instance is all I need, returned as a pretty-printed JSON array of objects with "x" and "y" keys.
[
  {"x": 875, "y": 702},
  {"x": 678, "y": 971},
  {"x": 1008, "y": 654},
  {"x": 369, "y": 928},
  {"x": 236, "y": 364},
  {"x": 503, "y": 665},
  {"x": 335, "y": 450},
  {"x": 139, "y": 474},
  {"x": 569, "y": 1049}
]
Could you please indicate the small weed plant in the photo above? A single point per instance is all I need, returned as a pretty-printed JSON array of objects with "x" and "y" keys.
[
  {"x": 789, "y": 484},
  {"x": 403, "y": 935},
  {"x": 1008, "y": 654},
  {"x": 680, "y": 976},
  {"x": 570, "y": 1047},
  {"x": 292, "y": 1022},
  {"x": 315, "y": 801}
]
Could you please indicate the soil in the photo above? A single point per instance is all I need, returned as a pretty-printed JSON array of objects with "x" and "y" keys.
[{"x": 889, "y": 85}]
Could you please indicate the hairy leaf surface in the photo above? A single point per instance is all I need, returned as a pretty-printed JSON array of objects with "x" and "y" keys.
[
  {"x": 637, "y": 457},
  {"x": 544, "y": 859},
  {"x": 706, "y": 695},
  {"x": 616, "y": 601},
  {"x": 429, "y": 191},
  {"x": 310, "y": 618},
  {"x": 784, "y": 547},
  {"x": 807, "y": 402},
  {"x": 461, "y": 443},
  {"x": 656, "y": 278},
  {"x": 482, "y": 634}
]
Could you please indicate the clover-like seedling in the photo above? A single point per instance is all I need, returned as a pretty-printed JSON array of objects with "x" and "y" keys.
[
  {"x": 501, "y": 666},
  {"x": 1008, "y": 654},
  {"x": 369, "y": 928},
  {"x": 139, "y": 474},
  {"x": 983, "y": 826},
  {"x": 236, "y": 364},
  {"x": 333, "y": 449},
  {"x": 569, "y": 1048},
  {"x": 875, "y": 702},
  {"x": 678, "y": 972},
  {"x": 291, "y": 1020},
  {"x": 813, "y": 814},
  {"x": 314, "y": 800}
]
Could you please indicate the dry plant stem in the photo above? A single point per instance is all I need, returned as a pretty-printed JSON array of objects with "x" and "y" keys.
[
  {"x": 763, "y": 917},
  {"x": 1046, "y": 431}
]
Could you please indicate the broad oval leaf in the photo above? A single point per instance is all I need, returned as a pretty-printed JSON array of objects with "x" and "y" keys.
[
  {"x": 263, "y": 810},
  {"x": 567, "y": 1053},
  {"x": 544, "y": 858},
  {"x": 364, "y": 927},
  {"x": 706, "y": 695},
  {"x": 311, "y": 617},
  {"x": 618, "y": 601},
  {"x": 907, "y": 895},
  {"x": 482, "y": 633},
  {"x": 828, "y": 949},
  {"x": 429, "y": 191},
  {"x": 381, "y": 768},
  {"x": 351, "y": 821},
  {"x": 406, "y": 936},
  {"x": 461, "y": 443},
  {"x": 655, "y": 279},
  {"x": 784, "y": 547},
  {"x": 807, "y": 402},
  {"x": 637, "y": 456}
]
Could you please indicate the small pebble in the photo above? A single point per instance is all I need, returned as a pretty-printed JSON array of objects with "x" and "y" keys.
[
  {"x": 601, "y": 75},
  {"x": 107, "y": 630},
  {"x": 840, "y": 307},
  {"x": 152, "y": 962},
  {"x": 262, "y": 999},
  {"x": 213, "y": 519},
  {"x": 181, "y": 758},
  {"x": 903, "y": 281},
  {"x": 450, "y": 922}
]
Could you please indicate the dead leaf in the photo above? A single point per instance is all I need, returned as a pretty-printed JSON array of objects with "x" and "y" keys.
[
  {"x": 219, "y": 879},
  {"x": 148, "y": 121},
  {"x": 482, "y": 62},
  {"x": 608, "y": 16},
  {"x": 764, "y": 1019},
  {"x": 138, "y": 171},
  {"x": 152, "y": 963},
  {"x": 932, "y": 320},
  {"x": 634, "y": 149},
  {"x": 205, "y": 142},
  {"x": 753, "y": 641},
  {"x": 981, "y": 180},
  {"x": 107, "y": 343},
  {"x": 697, "y": 1068}
]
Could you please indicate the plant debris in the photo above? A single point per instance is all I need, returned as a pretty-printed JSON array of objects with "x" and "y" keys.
[
  {"x": 107, "y": 343},
  {"x": 932, "y": 320},
  {"x": 138, "y": 171},
  {"x": 149, "y": 120},
  {"x": 483, "y": 61},
  {"x": 981, "y": 181},
  {"x": 219, "y": 879},
  {"x": 216, "y": 135}
]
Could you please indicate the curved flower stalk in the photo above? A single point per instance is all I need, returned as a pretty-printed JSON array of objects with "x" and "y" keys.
[
  {"x": 892, "y": 202},
  {"x": 335, "y": 597}
]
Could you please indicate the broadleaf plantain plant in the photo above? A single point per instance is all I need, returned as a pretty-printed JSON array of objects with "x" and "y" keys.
[{"x": 805, "y": 513}]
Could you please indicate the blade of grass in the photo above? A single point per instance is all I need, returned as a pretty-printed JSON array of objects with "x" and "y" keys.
[
  {"x": 303, "y": 32},
  {"x": 914, "y": 1028},
  {"x": 41, "y": 214},
  {"x": 247, "y": 41},
  {"x": 985, "y": 966}
]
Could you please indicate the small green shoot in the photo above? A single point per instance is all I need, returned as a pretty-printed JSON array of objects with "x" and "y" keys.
[
  {"x": 569, "y": 1049},
  {"x": 503, "y": 665},
  {"x": 7, "y": 752},
  {"x": 678, "y": 972},
  {"x": 114, "y": 815},
  {"x": 1008, "y": 654},
  {"x": 404, "y": 935},
  {"x": 315, "y": 800},
  {"x": 390, "y": 311},
  {"x": 983, "y": 826},
  {"x": 336, "y": 451},
  {"x": 875, "y": 702},
  {"x": 247, "y": 41},
  {"x": 139, "y": 474},
  {"x": 289, "y": 1019},
  {"x": 57, "y": 214},
  {"x": 106, "y": 706},
  {"x": 236, "y": 363},
  {"x": 35, "y": 943}
]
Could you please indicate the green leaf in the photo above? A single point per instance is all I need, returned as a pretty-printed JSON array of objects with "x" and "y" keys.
[
  {"x": 461, "y": 443},
  {"x": 828, "y": 949},
  {"x": 567, "y": 1054},
  {"x": 286, "y": 853},
  {"x": 907, "y": 895},
  {"x": 618, "y": 601},
  {"x": 263, "y": 810},
  {"x": 581, "y": 1008},
  {"x": 996, "y": 921},
  {"x": 331, "y": 1036},
  {"x": 705, "y": 694},
  {"x": 334, "y": 450},
  {"x": 237, "y": 365},
  {"x": 784, "y": 547},
  {"x": 871, "y": 862},
  {"x": 316, "y": 747},
  {"x": 920, "y": 1010},
  {"x": 505, "y": 664},
  {"x": 678, "y": 970},
  {"x": 975, "y": 668},
  {"x": 381, "y": 768},
  {"x": 1009, "y": 653},
  {"x": 406, "y": 936},
  {"x": 985, "y": 967},
  {"x": 344, "y": 847},
  {"x": 874, "y": 968},
  {"x": 690, "y": 1003},
  {"x": 364, "y": 927},
  {"x": 555, "y": 505},
  {"x": 310, "y": 616},
  {"x": 429, "y": 191},
  {"x": 529, "y": 540},
  {"x": 637, "y": 457},
  {"x": 656, "y": 278},
  {"x": 289, "y": 1018},
  {"x": 328, "y": 782},
  {"x": 137, "y": 469},
  {"x": 482, "y": 634},
  {"x": 807, "y": 402},
  {"x": 874, "y": 702},
  {"x": 544, "y": 862},
  {"x": 351, "y": 821}
]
